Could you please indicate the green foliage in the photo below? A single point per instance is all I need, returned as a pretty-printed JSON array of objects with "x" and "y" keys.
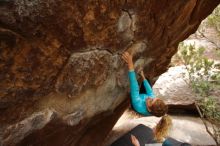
[
  {"x": 204, "y": 76},
  {"x": 217, "y": 53},
  {"x": 214, "y": 19},
  {"x": 198, "y": 68},
  {"x": 210, "y": 108}
]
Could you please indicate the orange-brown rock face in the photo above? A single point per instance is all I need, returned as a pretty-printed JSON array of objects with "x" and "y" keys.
[{"x": 62, "y": 81}]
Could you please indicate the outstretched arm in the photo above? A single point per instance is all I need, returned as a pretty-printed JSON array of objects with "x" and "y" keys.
[
  {"x": 132, "y": 78},
  {"x": 147, "y": 86},
  {"x": 133, "y": 85}
]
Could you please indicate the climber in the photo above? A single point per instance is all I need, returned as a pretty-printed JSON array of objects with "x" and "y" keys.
[{"x": 143, "y": 103}]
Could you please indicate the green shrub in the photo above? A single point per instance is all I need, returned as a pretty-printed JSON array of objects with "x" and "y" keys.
[
  {"x": 204, "y": 77},
  {"x": 210, "y": 108},
  {"x": 199, "y": 68},
  {"x": 214, "y": 19}
]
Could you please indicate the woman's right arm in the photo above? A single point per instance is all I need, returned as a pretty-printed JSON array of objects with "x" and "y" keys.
[
  {"x": 132, "y": 78},
  {"x": 133, "y": 85}
]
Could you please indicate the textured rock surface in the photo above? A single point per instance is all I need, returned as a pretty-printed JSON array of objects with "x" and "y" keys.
[
  {"x": 62, "y": 81},
  {"x": 172, "y": 87},
  {"x": 175, "y": 89}
]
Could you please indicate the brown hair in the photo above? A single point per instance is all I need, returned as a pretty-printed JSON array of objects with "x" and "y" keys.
[
  {"x": 159, "y": 108},
  {"x": 162, "y": 128}
]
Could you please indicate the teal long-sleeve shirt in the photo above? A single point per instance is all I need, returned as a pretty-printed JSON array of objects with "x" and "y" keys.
[{"x": 138, "y": 100}]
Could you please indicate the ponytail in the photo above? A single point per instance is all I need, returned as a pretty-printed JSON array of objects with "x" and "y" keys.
[{"x": 162, "y": 128}]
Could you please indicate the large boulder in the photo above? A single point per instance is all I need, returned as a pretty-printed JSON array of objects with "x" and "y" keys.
[
  {"x": 62, "y": 81},
  {"x": 173, "y": 87}
]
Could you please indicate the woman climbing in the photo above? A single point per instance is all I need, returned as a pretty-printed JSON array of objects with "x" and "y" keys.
[{"x": 143, "y": 103}]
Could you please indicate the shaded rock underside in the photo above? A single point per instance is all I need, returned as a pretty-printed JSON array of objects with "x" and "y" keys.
[{"x": 62, "y": 81}]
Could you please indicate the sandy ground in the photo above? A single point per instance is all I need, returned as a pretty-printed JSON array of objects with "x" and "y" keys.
[{"x": 184, "y": 128}]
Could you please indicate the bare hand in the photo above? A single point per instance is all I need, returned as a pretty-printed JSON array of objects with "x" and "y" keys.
[
  {"x": 128, "y": 59},
  {"x": 134, "y": 141}
]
